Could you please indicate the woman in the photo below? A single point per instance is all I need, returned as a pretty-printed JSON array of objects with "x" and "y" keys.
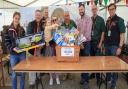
[
  {"x": 15, "y": 31},
  {"x": 50, "y": 46}
]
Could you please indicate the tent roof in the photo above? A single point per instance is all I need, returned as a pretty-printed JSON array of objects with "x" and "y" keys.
[
  {"x": 39, "y": 3},
  {"x": 35, "y": 3}
]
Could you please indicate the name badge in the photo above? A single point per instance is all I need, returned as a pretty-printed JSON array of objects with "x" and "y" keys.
[
  {"x": 67, "y": 51},
  {"x": 109, "y": 33}
]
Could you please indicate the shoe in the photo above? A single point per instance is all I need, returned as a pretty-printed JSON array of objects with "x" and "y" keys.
[
  {"x": 64, "y": 77},
  {"x": 32, "y": 86},
  {"x": 82, "y": 82},
  {"x": 86, "y": 85},
  {"x": 57, "y": 81},
  {"x": 92, "y": 76},
  {"x": 113, "y": 87},
  {"x": 51, "y": 81},
  {"x": 69, "y": 76},
  {"x": 98, "y": 83}
]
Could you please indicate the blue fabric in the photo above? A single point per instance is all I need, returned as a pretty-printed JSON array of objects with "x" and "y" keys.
[
  {"x": 15, "y": 59},
  {"x": 111, "y": 51},
  {"x": 85, "y": 52}
]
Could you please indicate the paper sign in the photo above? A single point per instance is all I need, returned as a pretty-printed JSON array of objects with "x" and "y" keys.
[{"x": 67, "y": 51}]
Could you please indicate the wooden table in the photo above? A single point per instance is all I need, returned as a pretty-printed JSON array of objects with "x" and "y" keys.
[{"x": 86, "y": 64}]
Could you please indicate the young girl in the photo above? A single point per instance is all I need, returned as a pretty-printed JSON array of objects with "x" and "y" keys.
[
  {"x": 15, "y": 31},
  {"x": 50, "y": 45}
]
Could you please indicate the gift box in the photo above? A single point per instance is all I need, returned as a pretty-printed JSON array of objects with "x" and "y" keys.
[{"x": 67, "y": 53}]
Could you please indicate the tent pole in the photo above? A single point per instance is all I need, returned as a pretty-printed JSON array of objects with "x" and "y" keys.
[{"x": 66, "y": 1}]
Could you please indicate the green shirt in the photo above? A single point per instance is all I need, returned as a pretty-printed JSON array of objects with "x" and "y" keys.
[
  {"x": 72, "y": 24},
  {"x": 114, "y": 27},
  {"x": 97, "y": 28}
]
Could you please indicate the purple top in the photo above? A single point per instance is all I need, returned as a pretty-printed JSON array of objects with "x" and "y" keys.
[{"x": 84, "y": 25}]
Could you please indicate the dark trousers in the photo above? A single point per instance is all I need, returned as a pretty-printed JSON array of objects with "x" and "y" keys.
[
  {"x": 85, "y": 52},
  {"x": 95, "y": 51},
  {"x": 111, "y": 51}
]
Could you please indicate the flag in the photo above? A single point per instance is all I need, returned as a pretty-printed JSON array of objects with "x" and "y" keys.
[
  {"x": 105, "y": 2},
  {"x": 96, "y": 2},
  {"x": 100, "y": 2}
]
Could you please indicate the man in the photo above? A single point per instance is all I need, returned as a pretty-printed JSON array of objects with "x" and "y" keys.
[
  {"x": 68, "y": 23},
  {"x": 84, "y": 25},
  {"x": 114, "y": 39},
  {"x": 34, "y": 27},
  {"x": 97, "y": 36}
]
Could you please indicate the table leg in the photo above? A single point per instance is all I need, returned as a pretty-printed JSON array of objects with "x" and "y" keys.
[
  {"x": 103, "y": 80},
  {"x": 2, "y": 79},
  {"x": 27, "y": 59},
  {"x": 39, "y": 80}
]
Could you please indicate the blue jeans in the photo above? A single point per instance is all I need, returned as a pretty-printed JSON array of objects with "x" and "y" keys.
[
  {"x": 111, "y": 51},
  {"x": 85, "y": 52},
  {"x": 15, "y": 59}
]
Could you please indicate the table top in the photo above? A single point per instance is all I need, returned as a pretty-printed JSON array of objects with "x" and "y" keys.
[{"x": 86, "y": 64}]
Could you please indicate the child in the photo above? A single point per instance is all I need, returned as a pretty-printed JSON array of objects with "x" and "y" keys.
[{"x": 50, "y": 46}]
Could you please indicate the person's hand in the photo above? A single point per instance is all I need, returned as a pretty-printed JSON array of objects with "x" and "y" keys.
[
  {"x": 55, "y": 25},
  {"x": 99, "y": 45},
  {"x": 118, "y": 52},
  {"x": 14, "y": 49},
  {"x": 81, "y": 46},
  {"x": 76, "y": 32}
]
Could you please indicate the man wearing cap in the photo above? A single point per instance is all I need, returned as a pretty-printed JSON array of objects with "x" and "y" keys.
[
  {"x": 97, "y": 36},
  {"x": 114, "y": 39},
  {"x": 84, "y": 25}
]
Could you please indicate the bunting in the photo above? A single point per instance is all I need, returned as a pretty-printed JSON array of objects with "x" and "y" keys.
[{"x": 105, "y": 2}]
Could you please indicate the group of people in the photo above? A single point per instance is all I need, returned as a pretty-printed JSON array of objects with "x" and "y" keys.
[{"x": 100, "y": 37}]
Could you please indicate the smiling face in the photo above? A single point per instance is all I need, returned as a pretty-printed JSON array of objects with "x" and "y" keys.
[
  {"x": 66, "y": 17},
  {"x": 81, "y": 10},
  {"x": 112, "y": 10},
  {"x": 16, "y": 20},
  {"x": 38, "y": 16},
  {"x": 94, "y": 10}
]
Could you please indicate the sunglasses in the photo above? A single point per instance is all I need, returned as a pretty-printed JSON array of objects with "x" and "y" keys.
[{"x": 54, "y": 20}]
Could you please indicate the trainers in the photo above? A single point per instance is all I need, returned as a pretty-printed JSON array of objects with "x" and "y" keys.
[
  {"x": 51, "y": 81},
  {"x": 86, "y": 85},
  {"x": 57, "y": 81}
]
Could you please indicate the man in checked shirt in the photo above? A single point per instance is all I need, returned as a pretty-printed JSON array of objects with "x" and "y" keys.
[{"x": 84, "y": 25}]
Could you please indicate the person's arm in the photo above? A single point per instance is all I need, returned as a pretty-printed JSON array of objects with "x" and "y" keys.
[
  {"x": 9, "y": 41},
  {"x": 122, "y": 35},
  {"x": 74, "y": 24},
  {"x": 29, "y": 29},
  {"x": 102, "y": 34},
  {"x": 89, "y": 28}
]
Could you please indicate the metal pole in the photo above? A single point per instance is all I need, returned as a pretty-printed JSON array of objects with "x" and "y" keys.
[{"x": 66, "y": 1}]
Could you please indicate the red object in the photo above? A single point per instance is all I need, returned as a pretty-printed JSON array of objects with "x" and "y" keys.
[
  {"x": 126, "y": 2},
  {"x": 92, "y": 2}
]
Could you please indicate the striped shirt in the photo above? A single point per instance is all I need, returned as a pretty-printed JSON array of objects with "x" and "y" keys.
[{"x": 84, "y": 25}]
